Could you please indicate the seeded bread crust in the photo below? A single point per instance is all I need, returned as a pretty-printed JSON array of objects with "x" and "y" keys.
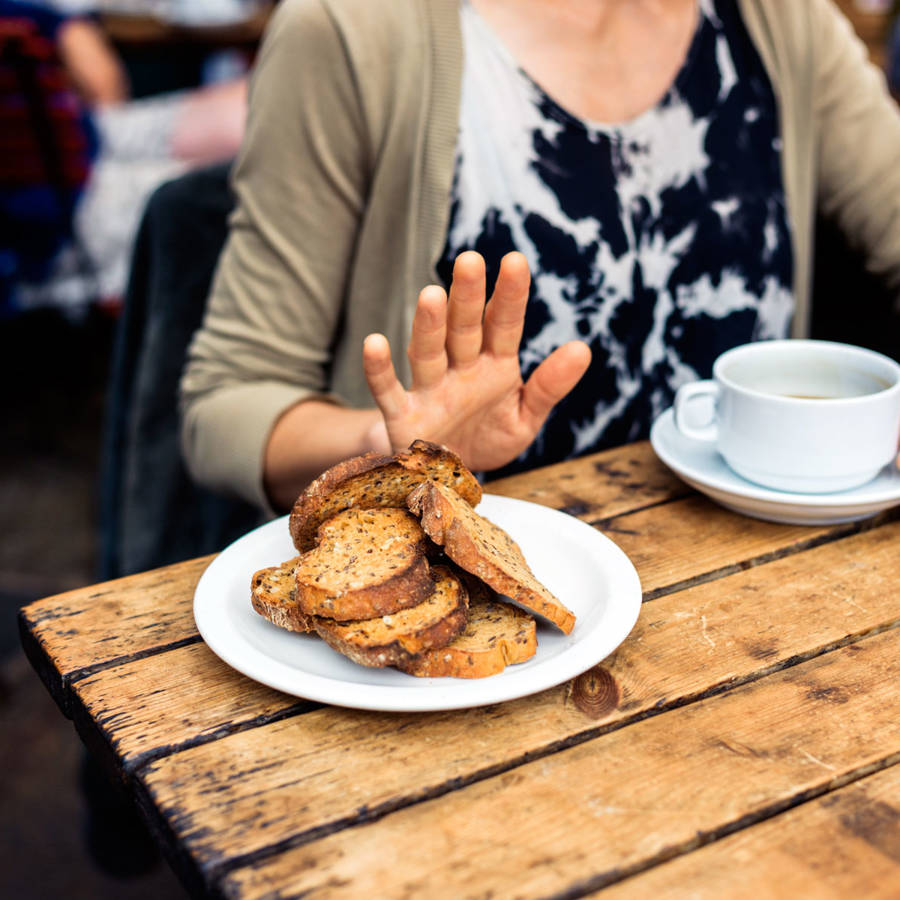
[
  {"x": 488, "y": 552},
  {"x": 366, "y": 563},
  {"x": 395, "y": 640},
  {"x": 497, "y": 635},
  {"x": 374, "y": 480},
  {"x": 273, "y": 595}
]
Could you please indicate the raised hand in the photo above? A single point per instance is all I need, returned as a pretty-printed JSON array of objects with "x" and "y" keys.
[{"x": 467, "y": 390}]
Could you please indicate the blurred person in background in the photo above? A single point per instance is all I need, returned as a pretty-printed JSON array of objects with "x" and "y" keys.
[{"x": 96, "y": 155}]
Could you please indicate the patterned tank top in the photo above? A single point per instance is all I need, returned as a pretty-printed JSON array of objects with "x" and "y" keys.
[{"x": 660, "y": 241}]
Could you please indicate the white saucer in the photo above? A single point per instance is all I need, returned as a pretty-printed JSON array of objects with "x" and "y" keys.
[{"x": 700, "y": 465}]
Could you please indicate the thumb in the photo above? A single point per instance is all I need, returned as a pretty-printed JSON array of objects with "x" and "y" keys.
[{"x": 553, "y": 379}]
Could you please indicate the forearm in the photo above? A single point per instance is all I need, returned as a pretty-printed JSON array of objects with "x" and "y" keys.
[
  {"x": 92, "y": 63},
  {"x": 312, "y": 436}
]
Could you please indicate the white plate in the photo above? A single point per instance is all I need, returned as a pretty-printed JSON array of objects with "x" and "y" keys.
[
  {"x": 585, "y": 570},
  {"x": 701, "y": 466}
]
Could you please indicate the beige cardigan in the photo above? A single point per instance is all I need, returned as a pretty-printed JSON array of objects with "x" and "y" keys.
[{"x": 343, "y": 186}]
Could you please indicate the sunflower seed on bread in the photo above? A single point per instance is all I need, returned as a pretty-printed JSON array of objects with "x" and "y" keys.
[
  {"x": 374, "y": 480},
  {"x": 396, "y": 639},
  {"x": 477, "y": 545},
  {"x": 367, "y": 563},
  {"x": 273, "y": 593}
]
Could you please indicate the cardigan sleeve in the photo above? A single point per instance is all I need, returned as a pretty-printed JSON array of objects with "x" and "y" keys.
[
  {"x": 300, "y": 184},
  {"x": 858, "y": 129}
]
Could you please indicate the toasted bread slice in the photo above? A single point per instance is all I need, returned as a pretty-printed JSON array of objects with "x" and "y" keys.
[
  {"x": 497, "y": 635},
  {"x": 375, "y": 480},
  {"x": 396, "y": 639},
  {"x": 273, "y": 593},
  {"x": 482, "y": 548},
  {"x": 367, "y": 563}
]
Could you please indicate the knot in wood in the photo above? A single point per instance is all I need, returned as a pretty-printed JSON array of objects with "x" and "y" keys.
[{"x": 595, "y": 692}]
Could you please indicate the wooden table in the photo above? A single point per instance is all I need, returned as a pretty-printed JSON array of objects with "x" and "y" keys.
[{"x": 743, "y": 741}]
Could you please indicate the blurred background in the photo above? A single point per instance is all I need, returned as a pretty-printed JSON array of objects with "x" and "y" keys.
[{"x": 102, "y": 104}]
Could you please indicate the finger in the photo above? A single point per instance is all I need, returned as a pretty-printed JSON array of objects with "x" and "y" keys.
[
  {"x": 378, "y": 367},
  {"x": 505, "y": 314},
  {"x": 427, "y": 350},
  {"x": 553, "y": 379},
  {"x": 465, "y": 309}
]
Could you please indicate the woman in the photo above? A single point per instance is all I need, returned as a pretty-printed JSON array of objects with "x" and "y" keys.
[{"x": 656, "y": 163}]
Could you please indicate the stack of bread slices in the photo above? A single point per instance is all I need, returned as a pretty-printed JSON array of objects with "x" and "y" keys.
[{"x": 396, "y": 568}]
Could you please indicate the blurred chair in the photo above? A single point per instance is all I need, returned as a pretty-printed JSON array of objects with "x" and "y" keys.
[{"x": 152, "y": 513}]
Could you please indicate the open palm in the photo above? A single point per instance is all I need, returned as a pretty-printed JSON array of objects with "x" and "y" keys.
[{"x": 467, "y": 390}]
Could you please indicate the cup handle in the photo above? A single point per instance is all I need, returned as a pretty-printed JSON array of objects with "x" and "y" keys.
[{"x": 683, "y": 396}]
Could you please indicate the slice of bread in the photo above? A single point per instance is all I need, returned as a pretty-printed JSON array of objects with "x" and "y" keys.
[
  {"x": 375, "y": 480},
  {"x": 497, "y": 635},
  {"x": 482, "y": 548},
  {"x": 367, "y": 563},
  {"x": 273, "y": 593},
  {"x": 396, "y": 639}
]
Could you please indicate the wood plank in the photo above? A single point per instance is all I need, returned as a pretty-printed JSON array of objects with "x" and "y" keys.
[
  {"x": 67, "y": 633},
  {"x": 676, "y": 544},
  {"x": 844, "y": 844},
  {"x": 301, "y": 774},
  {"x": 152, "y": 706},
  {"x": 591, "y": 814},
  {"x": 598, "y": 486}
]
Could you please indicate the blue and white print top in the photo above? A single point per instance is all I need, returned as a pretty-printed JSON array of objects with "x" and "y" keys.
[{"x": 661, "y": 241}]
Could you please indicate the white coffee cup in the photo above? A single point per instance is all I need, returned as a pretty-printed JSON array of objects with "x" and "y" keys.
[{"x": 799, "y": 415}]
